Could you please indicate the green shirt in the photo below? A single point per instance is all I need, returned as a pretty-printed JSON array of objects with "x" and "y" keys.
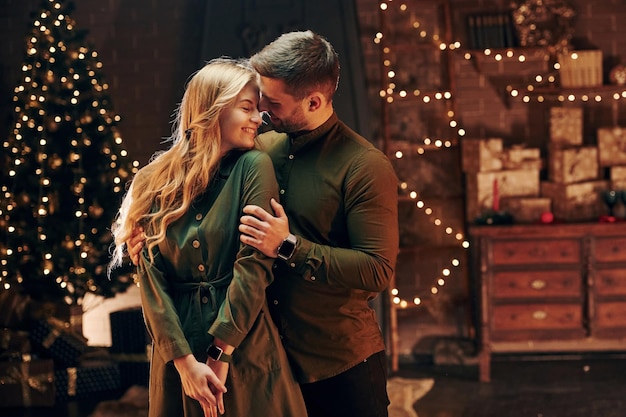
[
  {"x": 204, "y": 283},
  {"x": 340, "y": 195}
]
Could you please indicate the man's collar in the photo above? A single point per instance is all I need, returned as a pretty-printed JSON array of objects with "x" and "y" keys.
[{"x": 304, "y": 137}]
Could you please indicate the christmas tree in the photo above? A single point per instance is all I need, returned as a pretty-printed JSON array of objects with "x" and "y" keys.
[{"x": 64, "y": 169}]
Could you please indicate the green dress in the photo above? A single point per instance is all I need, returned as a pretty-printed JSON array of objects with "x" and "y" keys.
[{"x": 205, "y": 284}]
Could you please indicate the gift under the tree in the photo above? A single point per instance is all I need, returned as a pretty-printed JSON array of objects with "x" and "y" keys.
[
  {"x": 134, "y": 369},
  {"x": 13, "y": 309},
  {"x": 27, "y": 383},
  {"x": 70, "y": 315},
  {"x": 89, "y": 378},
  {"x": 13, "y": 343},
  {"x": 128, "y": 331},
  {"x": 58, "y": 341}
]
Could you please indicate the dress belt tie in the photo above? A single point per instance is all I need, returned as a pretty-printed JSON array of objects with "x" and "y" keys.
[{"x": 202, "y": 286}]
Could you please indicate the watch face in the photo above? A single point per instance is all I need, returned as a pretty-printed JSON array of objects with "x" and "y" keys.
[
  {"x": 287, "y": 247},
  {"x": 214, "y": 352},
  {"x": 217, "y": 354}
]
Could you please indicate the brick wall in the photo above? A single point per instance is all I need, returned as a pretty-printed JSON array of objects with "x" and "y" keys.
[
  {"x": 484, "y": 108},
  {"x": 149, "y": 47}
]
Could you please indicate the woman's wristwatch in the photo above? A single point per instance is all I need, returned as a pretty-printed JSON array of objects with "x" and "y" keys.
[{"x": 217, "y": 354}]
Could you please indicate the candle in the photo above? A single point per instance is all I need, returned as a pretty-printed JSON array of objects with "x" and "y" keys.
[{"x": 496, "y": 196}]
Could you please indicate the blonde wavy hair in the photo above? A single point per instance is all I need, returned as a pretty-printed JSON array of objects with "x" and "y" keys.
[{"x": 162, "y": 191}]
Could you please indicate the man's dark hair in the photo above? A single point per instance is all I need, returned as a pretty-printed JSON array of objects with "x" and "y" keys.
[{"x": 304, "y": 61}]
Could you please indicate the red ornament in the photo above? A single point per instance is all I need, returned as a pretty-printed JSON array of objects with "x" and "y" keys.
[{"x": 547, "y": 217}]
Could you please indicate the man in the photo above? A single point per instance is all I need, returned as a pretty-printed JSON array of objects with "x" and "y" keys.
[
  {"x": 337, "y": 244},
  {"x": 336, "y": 240}
]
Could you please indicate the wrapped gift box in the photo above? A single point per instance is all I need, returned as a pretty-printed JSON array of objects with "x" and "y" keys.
[
  {"x": 134, "y": 369},
  {"x": 28, "y": 383},
  {"x": 481, "y": 155},
  {"x": 13, "y": 309},
  {"x": 575, "y": 164},
  {"x": 576, "y": 202},
  {"x": 128, "y": 331},
  {"x": 71, "y": 315},
  {"x": 566, "y": 125},
  {"x": 13, "y": 343},
  {"x": 55, "y": 338},
  {"x": 618, "y": 177},
  {"x": 612, "y": 146},
  {"x": 581, "y": 68},
  {"x": 90, "y": 377},
  {"x": 526, "y": 209},
  {"x": 510, "y": 183},
  {"x": 517, "y": 157}
]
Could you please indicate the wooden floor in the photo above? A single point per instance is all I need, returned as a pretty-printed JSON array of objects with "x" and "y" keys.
[
  {"x": 554, "y": 386},
  {"x": 569, "y": 386}
]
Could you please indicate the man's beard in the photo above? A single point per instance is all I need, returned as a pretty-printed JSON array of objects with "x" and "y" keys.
[{"x": 292, "y": 124}]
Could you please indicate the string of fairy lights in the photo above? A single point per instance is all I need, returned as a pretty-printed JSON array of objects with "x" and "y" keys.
[
  {"x": 544, "y": 86},
  {"x": 389, "y": 93}
]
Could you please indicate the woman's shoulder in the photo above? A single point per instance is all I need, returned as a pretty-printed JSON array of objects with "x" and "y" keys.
[
  {"x": 253, "y": 155},
  {"x": 255, "y": 158}
]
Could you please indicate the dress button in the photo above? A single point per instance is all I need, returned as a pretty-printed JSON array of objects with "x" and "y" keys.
[
  {"x": 205, "y": 299},
  {"x": 201, "y": 268},
  {"x": 199, "y": 216},
  {"x": 291, "y": 156},
  {"x": 312, "y": 278},
  {"x": 196, "y": 244},
  {"x": 293, "y": 264},
  {"x": 275, "y": 302},
  {"x": 274, "y": 266},
  {"x": 282, "y": 191}
]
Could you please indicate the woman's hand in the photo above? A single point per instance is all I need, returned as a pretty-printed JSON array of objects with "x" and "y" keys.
[
  {"x": 201, "y": 383},
  {"x": 221, "y": 371},
  {"x": 135, "y": 244}
]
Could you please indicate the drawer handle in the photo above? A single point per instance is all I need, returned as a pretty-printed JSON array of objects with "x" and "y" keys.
[
  {"x": 540, "y": 315},
  {"x": 538, "y": 284}
]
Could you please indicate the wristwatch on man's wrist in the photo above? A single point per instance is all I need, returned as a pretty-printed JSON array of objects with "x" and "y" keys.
[
  {"x": 287, "y": 247},
  {"x": 217, "y": 354}
]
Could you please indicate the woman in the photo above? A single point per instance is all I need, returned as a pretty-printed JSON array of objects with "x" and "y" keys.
[{"x": 202, "y": 293}]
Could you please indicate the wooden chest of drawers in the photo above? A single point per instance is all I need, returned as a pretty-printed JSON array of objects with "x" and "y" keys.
[{"x": 549, "y": 288}]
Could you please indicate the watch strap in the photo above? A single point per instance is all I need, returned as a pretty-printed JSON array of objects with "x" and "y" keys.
[{"x": 217, "y": 354}]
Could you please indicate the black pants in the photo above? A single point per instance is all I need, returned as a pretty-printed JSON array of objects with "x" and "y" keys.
[{"x": 359, "y": 392}]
